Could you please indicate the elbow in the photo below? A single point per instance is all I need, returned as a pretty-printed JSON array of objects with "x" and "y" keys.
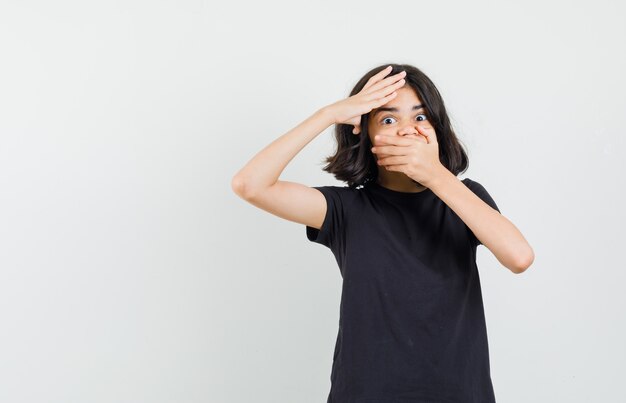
[
  {"x": 238, "y": 186},
  {"x": 523, "y": 262},
  {"x": 244, "y": 188}
]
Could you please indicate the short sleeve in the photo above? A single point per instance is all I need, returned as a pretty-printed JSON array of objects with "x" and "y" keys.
[
  {"x": 480, "y": 191},
  {"x": 332, "y": 227}
]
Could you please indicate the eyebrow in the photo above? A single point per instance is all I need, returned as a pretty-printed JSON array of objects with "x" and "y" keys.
[{"x": 384, "y": 109}]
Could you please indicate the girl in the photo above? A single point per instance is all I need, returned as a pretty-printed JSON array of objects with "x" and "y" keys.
[{"x": 404, "y": 232}]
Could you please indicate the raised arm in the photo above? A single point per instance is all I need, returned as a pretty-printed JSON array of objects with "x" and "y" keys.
[{"x": 257, "y": 182}]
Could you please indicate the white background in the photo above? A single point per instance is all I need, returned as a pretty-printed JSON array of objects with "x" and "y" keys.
[{"x": 130, "y": 271}]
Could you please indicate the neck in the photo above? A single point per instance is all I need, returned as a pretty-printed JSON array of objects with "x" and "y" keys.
[{"x": 400, "y": 183}]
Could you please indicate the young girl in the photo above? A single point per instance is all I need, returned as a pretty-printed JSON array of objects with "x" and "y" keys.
[{"x": 404, "y": 232}]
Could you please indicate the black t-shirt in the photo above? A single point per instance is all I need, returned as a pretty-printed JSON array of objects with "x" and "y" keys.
[{"x": 411, "y": 324}]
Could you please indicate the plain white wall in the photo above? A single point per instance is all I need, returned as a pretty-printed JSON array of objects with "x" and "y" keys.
[{"x": 129, "y": 270}]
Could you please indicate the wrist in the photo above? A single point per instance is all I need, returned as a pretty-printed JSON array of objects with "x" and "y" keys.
[
  {"x": 327, "y": 114},
  {"x": 442, "y": 176}
]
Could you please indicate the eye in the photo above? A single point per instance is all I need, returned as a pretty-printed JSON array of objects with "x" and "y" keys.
[{"x": 389, "y": 117}]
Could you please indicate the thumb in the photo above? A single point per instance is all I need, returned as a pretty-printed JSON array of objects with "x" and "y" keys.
[{"x": 429, "y": 134}]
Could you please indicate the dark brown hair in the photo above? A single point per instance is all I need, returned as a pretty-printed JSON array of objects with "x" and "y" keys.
[{"x": 354, "y": 163}]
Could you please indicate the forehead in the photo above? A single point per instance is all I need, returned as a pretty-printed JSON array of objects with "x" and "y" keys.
[{"x": 406, "y": 101}]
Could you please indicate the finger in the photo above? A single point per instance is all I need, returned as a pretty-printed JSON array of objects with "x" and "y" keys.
[
  {"x": 392, "y": 160},
  {"x": 429, "y": 135},
  {"x": 381, "y": 156},
  {"x": 394, "y": 140},
  {"x": 416, "y": 138},
  {"x": 380, "y": 96},
  {"x": 383, "y": 87},
  {"x": 382, "y": 162},
  {"x": 383, "y": 95},
  {"x": 381, "y": 150},
  {"x": 396, "y": 167},
  {"x": 393, "y": 164},
  {"x": 377, "y": 76},
  {"x": 381, "y": 101}
]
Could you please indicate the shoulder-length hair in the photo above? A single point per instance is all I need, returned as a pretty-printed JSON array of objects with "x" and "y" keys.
[{"x": 354, "y": 163}]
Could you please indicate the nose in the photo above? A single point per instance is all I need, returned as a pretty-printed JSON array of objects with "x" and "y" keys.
[{"x": 408, "y": 130}]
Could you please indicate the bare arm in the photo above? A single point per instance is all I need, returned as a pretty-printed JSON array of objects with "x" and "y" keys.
[
  {"x": 494, "y": 230},
  {"x": 257, "y": 182},
  {"x": 265, "y": 168}
]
